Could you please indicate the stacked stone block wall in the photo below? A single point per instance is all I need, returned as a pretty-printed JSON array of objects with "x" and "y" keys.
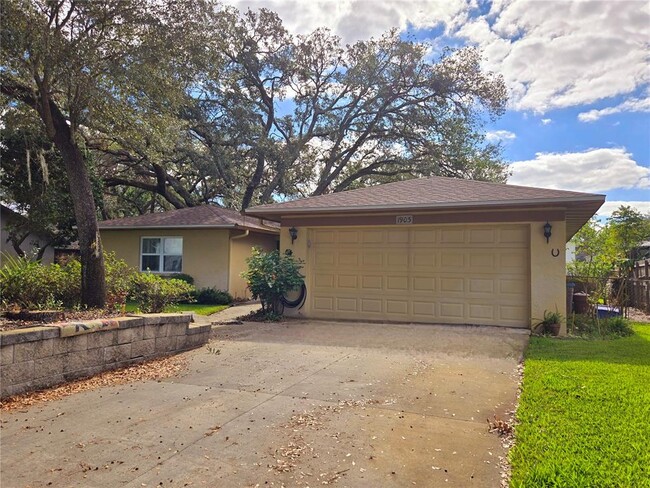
[{"x": 40, "y": 357}]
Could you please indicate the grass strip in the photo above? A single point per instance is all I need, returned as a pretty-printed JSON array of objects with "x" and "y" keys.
[{"x": 584, "y": 413}]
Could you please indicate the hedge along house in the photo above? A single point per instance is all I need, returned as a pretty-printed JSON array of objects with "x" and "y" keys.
[
  {"x": 433, "y": 250},
  {"x": 209, "y": 243}
]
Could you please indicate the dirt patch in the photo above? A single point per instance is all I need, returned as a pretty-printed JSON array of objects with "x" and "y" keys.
[{"x": 155, "y": 369}]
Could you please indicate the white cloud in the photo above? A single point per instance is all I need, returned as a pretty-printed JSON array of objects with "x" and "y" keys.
[
  {"x": 353, "y": 20},
  {"x": 594, "y": 170},
  {"x": 563, "y": 54},
  {"x": 552, "y": 54},
  {"x": 609, "y": 207},
  {"x": 546, "y": 121},
  {"x": 629, "y": 105},
  {"x": 500, "y": 136}
]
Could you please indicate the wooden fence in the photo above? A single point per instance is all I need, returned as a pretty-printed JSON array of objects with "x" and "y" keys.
[{"x": 639, "y": 286}]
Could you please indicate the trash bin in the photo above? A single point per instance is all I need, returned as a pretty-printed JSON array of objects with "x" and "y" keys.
[{"x": 580, "y": 303}]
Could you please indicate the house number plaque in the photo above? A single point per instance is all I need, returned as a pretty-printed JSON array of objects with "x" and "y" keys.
[{"x": 404, "y": 219}]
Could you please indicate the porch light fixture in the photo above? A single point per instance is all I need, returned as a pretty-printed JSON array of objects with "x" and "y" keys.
[
  {"x": 547, "y": 231},
  {"x": 293, "y": 232}
]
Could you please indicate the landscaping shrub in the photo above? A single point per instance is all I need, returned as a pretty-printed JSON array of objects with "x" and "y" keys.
[
  {"x": 153, "y": 292},
  {"x": 182, "y": 276},
  {"x": 27, "y": 284},
  {"x": 212, "y": 296},
  {"x": 118, "y": 281},
  {"x": 590, "y": 327},
  {"x": 270, "y": 276}
]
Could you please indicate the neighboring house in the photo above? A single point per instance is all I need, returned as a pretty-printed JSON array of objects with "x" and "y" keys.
[
  {"x": 209, "y": 243},
  {"x": 433, "y": 250},
  {"x": 31, "y": 243}
]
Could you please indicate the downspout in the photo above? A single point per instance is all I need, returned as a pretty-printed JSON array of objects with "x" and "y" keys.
[{"x": 240, "y": 236}]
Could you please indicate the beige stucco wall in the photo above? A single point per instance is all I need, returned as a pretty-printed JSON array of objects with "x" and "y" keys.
[
  {"x": 206, "y": 253},
  {"x": 547, "y": 272},
  {"x": 240, "y": 249}
]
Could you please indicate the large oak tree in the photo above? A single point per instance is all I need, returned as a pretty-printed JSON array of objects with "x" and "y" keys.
[{"x": 110, "y": 67}]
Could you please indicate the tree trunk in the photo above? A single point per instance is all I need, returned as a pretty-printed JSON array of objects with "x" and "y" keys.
[{"x": 93, "y": 282}]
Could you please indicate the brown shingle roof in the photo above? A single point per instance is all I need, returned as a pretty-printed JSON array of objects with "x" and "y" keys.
[
  {"x": 432, "y": 192},
  {"x": 204, "y": 216},
  {"x": 438, "y": 193}
]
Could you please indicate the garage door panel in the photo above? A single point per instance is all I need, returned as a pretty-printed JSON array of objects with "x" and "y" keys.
[
  {"x": 369, "y": 305},
  {"x": 397, "y": 283},
  {"x": 482, "y": 236},
  {"x": 346, "y": 304},
  {"x": 481, "y": 312},
  {"x": 452, "y": 284},
  {"x": 397, "y": 259},
  {"x": 347, "y": 281},
  {"x": 423, "y": 259},
  {"x": 452, "y": 311},
  {"x": 399, "y": 307},
  {"x": 424, "y": 310},
  {"x": 452, "y": 260},
  {"x": 424, "y": 283},
  {"x": 449, "y": 274},
  {"x": 323, "y": 280},
  {"x": 514, "y": 235},
  {"x": 481, "y": 285},
  {"x": 372, "y": 258},
  {"x": 348, "y": 237},
  {"x": 325, "y": 304},
  {"x": 372, "y": 236},
  {"x": 452, "y": 236},
  {"x": 423, "y": 236},
  {"x": 372, "y": 282},
  {"x": 347, "y": 258}
]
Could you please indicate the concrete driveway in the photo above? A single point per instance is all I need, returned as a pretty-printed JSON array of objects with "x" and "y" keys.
[{"x": 290, "y": 404}]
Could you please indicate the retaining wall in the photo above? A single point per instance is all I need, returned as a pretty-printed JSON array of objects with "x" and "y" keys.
[{"x": 39, "y": 357}]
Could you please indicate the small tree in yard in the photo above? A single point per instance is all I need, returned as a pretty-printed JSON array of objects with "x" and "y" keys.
[{"x": 270, "y": 276}]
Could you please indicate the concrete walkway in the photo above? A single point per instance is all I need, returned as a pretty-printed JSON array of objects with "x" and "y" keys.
[{"x": 287, "y": 404}]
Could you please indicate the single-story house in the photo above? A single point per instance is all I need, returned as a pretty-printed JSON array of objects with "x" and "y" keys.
[
  {"x": 433, "y": 250},
  {"x": 209, "y": 243}
]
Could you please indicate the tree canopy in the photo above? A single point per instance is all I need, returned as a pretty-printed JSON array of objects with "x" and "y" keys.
[{"x": 177, "y": 104}]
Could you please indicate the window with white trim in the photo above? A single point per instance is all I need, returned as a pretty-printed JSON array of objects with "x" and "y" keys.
[{"x": 161, "y": 254}]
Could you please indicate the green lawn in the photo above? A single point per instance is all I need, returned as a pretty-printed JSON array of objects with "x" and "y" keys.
[
  {"x": 584, "y": 413},
  {"x": 185, "y": 307}
]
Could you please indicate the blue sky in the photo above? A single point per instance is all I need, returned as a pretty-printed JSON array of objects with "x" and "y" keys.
[{"x": 578, "y": 75}]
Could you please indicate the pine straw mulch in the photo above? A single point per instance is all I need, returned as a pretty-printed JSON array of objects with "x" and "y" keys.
[{"x": 153, "y": 370}]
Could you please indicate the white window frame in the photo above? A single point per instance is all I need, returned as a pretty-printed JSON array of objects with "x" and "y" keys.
[{"x": 161, "y": 256}]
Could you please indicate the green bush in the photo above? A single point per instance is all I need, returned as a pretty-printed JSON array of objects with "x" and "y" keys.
[
  {"x": 119, "y": 277},
  {"x": 153, "y": 292},
  {"x": 212, "y": 296},
  {"x": 26, "y": 284},
  {"x": 270, "y": 276},
  {"x": 590, "y": 327},
  {"x": 181, "y": 276}
]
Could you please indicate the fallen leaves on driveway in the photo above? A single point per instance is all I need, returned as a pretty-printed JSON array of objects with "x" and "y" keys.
[{"x": 156, "y": 369}]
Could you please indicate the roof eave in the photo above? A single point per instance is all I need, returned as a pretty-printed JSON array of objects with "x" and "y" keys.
[
  {"x": 270, "y": 230},
  {"x": 271, "y": 213}
]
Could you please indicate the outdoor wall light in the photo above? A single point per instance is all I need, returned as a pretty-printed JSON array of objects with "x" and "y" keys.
[
  {"x": 547, "y": 231},
  {"x": 293, "y": 232}
]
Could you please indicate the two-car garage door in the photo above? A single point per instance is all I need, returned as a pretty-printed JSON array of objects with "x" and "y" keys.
[{"x": 470, "y": 274}]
